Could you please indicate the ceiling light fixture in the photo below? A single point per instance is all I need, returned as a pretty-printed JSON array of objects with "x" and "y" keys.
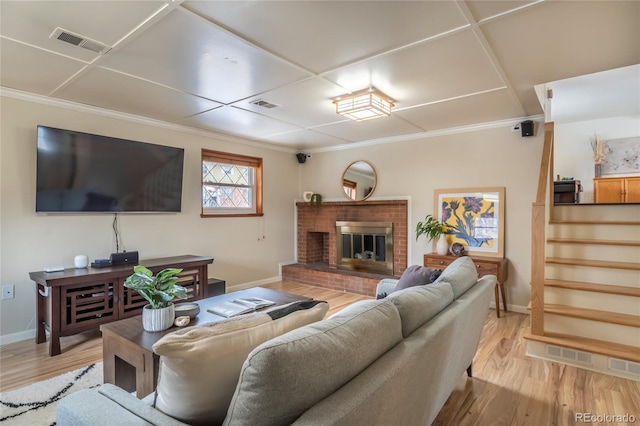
[{"x": 364, "y": 105}]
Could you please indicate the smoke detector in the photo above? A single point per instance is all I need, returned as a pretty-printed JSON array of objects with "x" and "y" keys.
[{"x": 80, "y": 41}]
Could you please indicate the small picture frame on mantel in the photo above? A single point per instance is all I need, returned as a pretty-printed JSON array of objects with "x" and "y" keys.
[{"x": 474, "y": 217}]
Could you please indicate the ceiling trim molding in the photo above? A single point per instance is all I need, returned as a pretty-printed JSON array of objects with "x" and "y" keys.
[
  {"x": 430, "y": 134},
  {"x": 73, "y": 106}
]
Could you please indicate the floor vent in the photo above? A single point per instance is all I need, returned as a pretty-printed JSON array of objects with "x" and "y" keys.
[
  {"x": 624, "y": 366},
  {"x": 569, "y": 354},
  {"x": 80, "y": 41},
  {"x": 264, "y": 104}
]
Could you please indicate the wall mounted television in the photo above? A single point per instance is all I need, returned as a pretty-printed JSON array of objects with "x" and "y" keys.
[{"x": 82, "y": 172}]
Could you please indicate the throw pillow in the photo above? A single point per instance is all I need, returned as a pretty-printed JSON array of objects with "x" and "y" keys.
[
  {"x": 417, "y": 275},
  {"x": 200, "y": 366}
]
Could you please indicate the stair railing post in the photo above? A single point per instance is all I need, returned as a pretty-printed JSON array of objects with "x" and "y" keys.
[{"x": 538, "y": 232}]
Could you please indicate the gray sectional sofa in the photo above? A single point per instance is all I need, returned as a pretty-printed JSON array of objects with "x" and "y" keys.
[{"x": 377, "y": 362}]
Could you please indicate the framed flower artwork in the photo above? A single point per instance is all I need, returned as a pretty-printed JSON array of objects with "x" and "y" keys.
[{"x": 474, "y": 217}]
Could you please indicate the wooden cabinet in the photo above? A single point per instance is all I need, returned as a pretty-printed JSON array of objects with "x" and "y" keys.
[
  {"x": 485, "y": 266},
  {"x": 76, "y": 300},
  {"x": 617, "y": 190}
]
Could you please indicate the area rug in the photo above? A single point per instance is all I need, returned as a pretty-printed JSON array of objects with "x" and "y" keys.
[{"x": 36, "y": 404}]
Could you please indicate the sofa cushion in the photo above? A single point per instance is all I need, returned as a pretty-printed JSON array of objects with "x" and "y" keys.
[
  {"x": 417, "y": 305},
  {"x": 199, "y": 366},
  {"x": 416, "y": 275},
  {"x": 461, "y": 274},
  {"x": 285, "y": 376}
]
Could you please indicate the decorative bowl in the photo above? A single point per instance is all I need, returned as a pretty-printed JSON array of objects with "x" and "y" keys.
[
  {"x": 457, "y": 249},
  {"x": 187, "y": 309}
]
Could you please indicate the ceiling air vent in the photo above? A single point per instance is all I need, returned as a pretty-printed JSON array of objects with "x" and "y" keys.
[
  {"x": 80, "y": 41},
  {"x": 264, "y": 104}
]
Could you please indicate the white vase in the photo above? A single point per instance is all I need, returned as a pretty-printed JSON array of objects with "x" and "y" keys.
[
  {"x": 158, "y": 319},
  {"x": 442, "y": 246}
]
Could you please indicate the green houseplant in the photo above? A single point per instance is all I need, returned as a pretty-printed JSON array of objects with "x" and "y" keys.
[
  {"x": 434, "y": 230},
  {"x": 159, "y": 291},
  {"x": 431, "y": 227}
]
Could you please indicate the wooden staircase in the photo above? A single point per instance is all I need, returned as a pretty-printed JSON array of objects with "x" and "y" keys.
[{"x": 586, "y": 284}]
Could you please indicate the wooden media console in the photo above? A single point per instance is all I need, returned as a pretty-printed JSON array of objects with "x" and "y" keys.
[{"x": 75, "y": 300}]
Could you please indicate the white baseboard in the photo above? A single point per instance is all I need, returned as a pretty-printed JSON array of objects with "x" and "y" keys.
[
  {"x": 512, "y": 308},
  {"x": 18, "y": 337},
  {"x": 599, "y": 363},
  {"x": 281, "y": 264},
  {"x": 258, "y": 283}
]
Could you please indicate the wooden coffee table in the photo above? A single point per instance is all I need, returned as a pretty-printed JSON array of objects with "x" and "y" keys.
[{"x": 128, "y": 358}]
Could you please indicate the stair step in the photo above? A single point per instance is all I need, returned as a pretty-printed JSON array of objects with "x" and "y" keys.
[
  {"x": 594, "y": 263},
  {"x": 597, "y": 213},
  {"x": 616, "y": 350},
  {"x": 594, "y": 242},
  {"x": 593, "y": 314},
  {"x": 593, "y": 287},
  {"x": 594, "y": 222}
]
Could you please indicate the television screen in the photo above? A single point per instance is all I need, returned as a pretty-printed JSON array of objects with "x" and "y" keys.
[{"x": 81, "y": 172}]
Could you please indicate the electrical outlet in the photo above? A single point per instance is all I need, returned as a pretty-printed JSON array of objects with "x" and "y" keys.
[
  {"x": 516, "y": 128},
  {"x": 7, "y": 292}
]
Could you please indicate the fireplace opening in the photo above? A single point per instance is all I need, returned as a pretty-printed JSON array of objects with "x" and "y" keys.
[{"x": 365, "y": 246}]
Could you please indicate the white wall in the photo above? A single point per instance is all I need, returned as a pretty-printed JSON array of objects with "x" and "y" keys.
[
  {"x": 29, "y": 242},
  {"x": 484, "y": 158},
  {"x": 573, "y": 155}
]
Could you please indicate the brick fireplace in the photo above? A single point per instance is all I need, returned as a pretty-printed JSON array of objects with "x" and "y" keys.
[{"x": 317, "y": 248}]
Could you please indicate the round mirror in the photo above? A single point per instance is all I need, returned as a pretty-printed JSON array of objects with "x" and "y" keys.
[{"x": 359, "y": 181}]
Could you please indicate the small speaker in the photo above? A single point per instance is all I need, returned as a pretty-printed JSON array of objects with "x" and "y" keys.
[
  {"x": 302, "y": 158},
  {"x": 124, "y": 258},
  {"x": 527, "y": 128}
]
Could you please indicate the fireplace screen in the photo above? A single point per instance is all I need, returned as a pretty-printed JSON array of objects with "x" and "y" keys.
[{"x": 365, "y": 246}]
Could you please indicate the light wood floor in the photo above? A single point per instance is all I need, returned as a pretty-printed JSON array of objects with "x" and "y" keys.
[{"x": 508, "y": 388}]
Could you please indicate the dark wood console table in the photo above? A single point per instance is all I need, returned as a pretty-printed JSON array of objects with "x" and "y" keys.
[
  {"x": 76, "y": 300},
  {"x": 485, "y": 265}
]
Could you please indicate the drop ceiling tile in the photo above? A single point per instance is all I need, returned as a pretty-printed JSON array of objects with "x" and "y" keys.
[
  {"x": 107, "y": 89},
  {"x": 33, "y": 70},
  {"x": 186, "y": 52},
  {"x": 304, "y": 139},
  {"x": 571, "y": 43},
  {"x": 487, "y": 9},
  {"x": 238, "y": 122},
  {"x": 308, "y": 103},
  {"x": 487, "y": 107},
  {"x": 371, "y": 129},
  {"x": 33, "y": 22},
  {"x": 321, "y": 35},
  {"x": 452, "y": 66}
]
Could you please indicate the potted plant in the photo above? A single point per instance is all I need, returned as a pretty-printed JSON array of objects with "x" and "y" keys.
[
  {"x": 159, "y": 291},
  {"x": 434, "y": 230}
]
